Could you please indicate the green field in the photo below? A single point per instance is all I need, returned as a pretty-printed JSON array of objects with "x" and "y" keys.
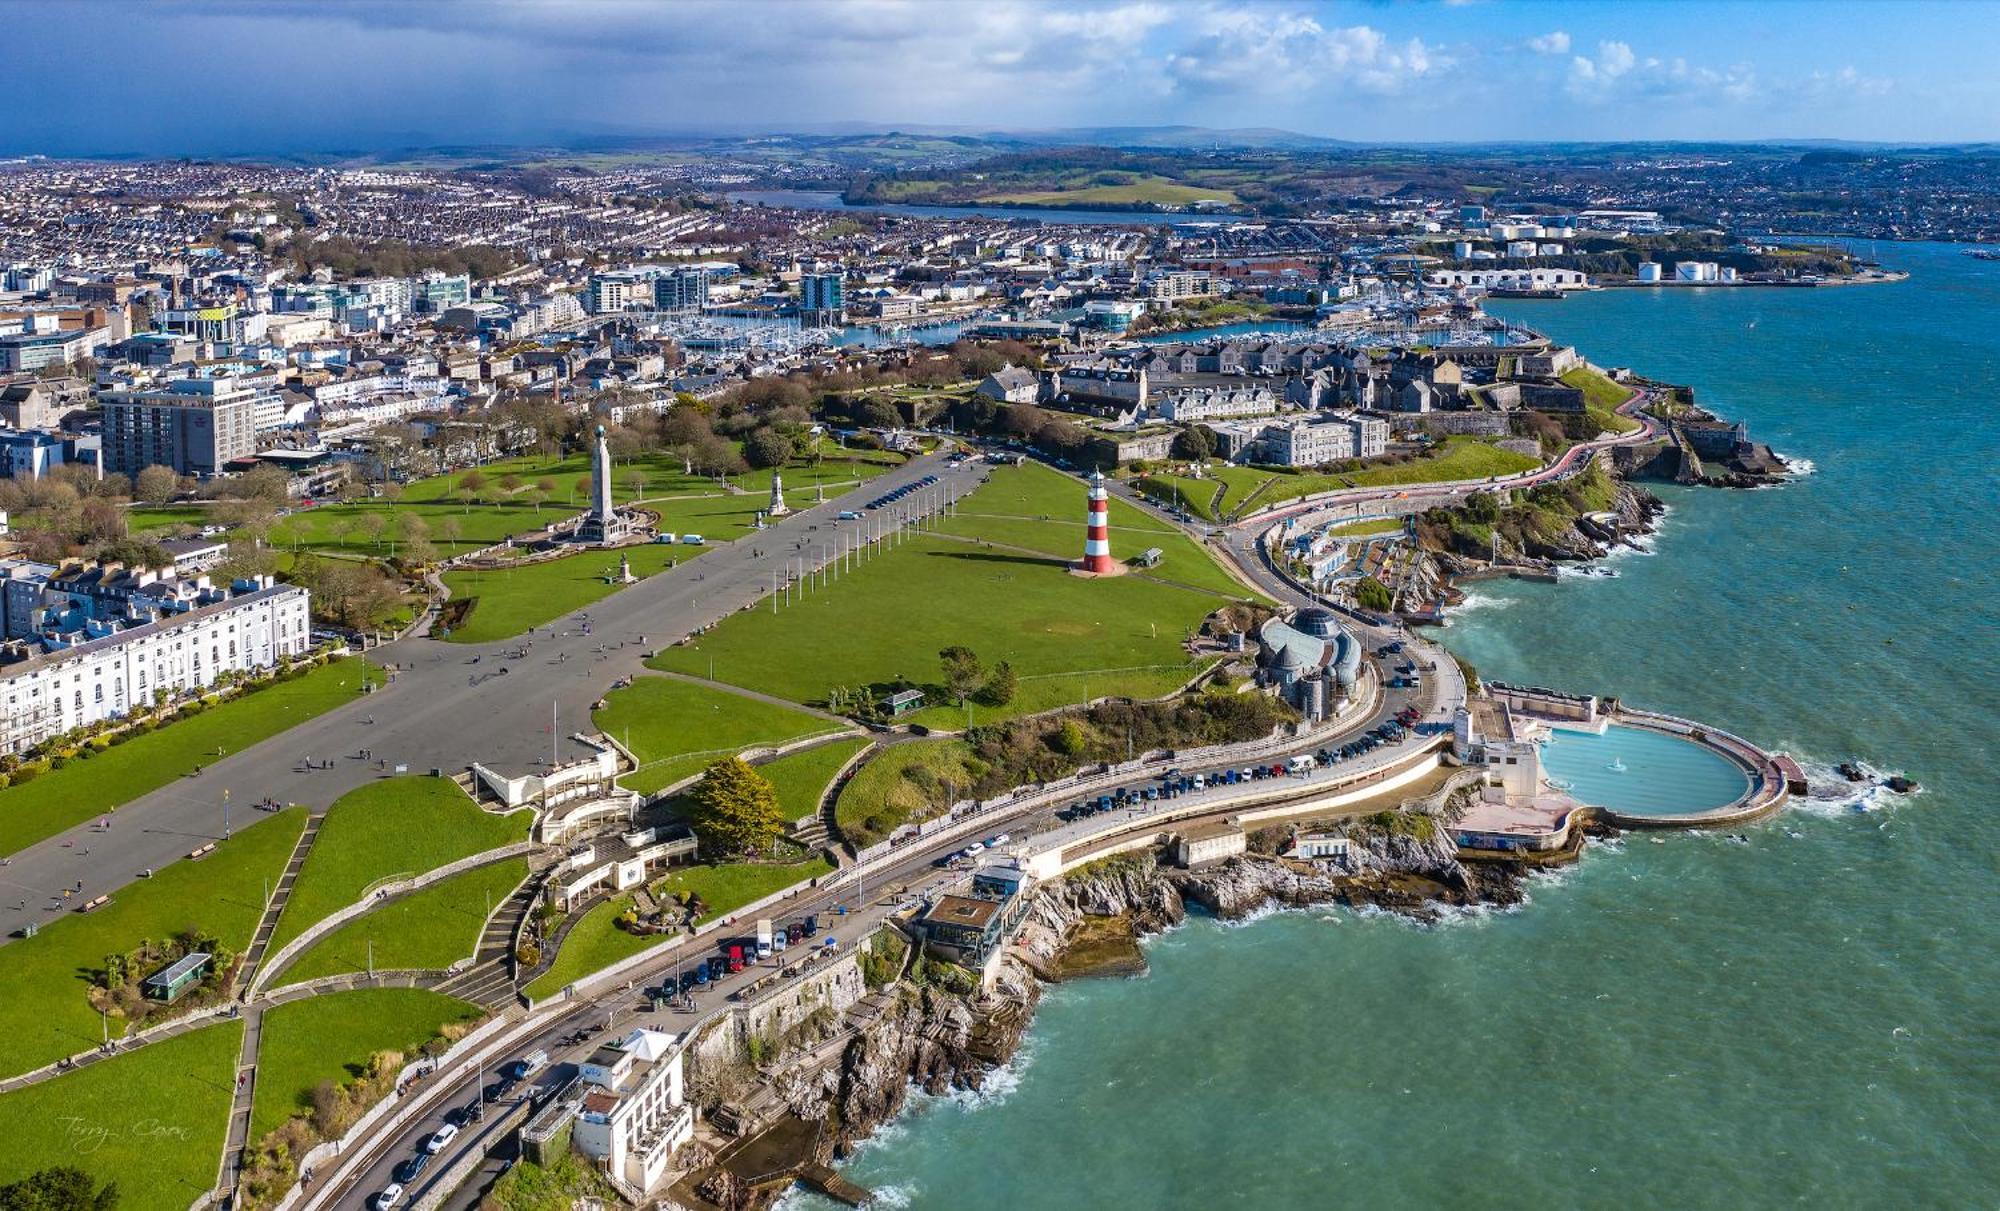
[
  {"x": 802, "y": 778},
  {"x": 82, "y": 789},
  {"x": 1148, "y": 189},
  {"x": 1601, "y": 398},
  {"x": 397, "y": 827},
  {"x": 429, "y": 929},
  {"x": 45, "y": 1014},
  {"x": 677, "y": 728},
  {"x": 731, "y": 885},
  {"x": 1066, "y": 636},
  {"x": 153, "y": 1121},
  {"x": 331, "y": 1038},
  {"x": 510, "y": 601},
  {"x": 1037, "y": 508},
  {"x": 903, "y": 782},
  {"x": 1362, "y": 529},
  {"x": 1197, "y": 496},
  {"x": 505, "y": 505}
]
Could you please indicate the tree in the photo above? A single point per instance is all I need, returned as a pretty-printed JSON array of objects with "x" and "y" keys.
[
  {"x": 535, "y": 497},
  {"x": 735, "y": 808},
  {"x": 1482, "y": 507},
  {"x": 768, "y": 448},
  {"x": 1000, "y": 686},
  {"x": 635, "y": 481},
  {"x": 372, "y": 525},
  {"x": 1372, "y": 594},
  {"x": 157, "y": 484},
  {"x": 58, "y": 1189},
  {"x": 447, "y": 529},
  {"x": 469, "y": 487},
  {"x": 1195, "y": 443},
  {"x": 961, "y": 671}
]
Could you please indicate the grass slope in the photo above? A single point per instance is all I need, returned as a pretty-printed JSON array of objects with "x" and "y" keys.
[
  {"x": 676, "y": 728},
  {"x": 152, "y": 1121},
  {"x": 398, "y": 826},
  {"x": 44, "y": 1014},
  {"x": 731, "y": 885},
  {"x": 64, "y": 798},
  {"x": 903, "y": 782},
  {"x": 802, "y": 778},
  {"x": 330, "y": 1038},
  {"x": 428, "y": 929}
]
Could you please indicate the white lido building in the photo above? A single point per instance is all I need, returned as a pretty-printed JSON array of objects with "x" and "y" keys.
[
  {"x": 636, "y": 1114},
  {"x": 254, "y": 626}
]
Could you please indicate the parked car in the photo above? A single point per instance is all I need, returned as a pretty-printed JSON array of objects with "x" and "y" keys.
[
  {"x": 441, "y": 1139},
  {"x": 412, "y": 1169},
  {"x": 387, "y": 1197}
]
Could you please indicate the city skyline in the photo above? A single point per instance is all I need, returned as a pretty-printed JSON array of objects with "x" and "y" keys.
[{"x": 294, "y": 78}]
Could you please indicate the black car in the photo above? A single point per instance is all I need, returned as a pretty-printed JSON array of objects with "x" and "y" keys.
[
  {"x": 494, "y": 1091},
  {"x": 413, "y": 1168}
]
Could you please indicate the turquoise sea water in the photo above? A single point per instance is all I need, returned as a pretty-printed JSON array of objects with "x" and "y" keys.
[
  {"x": 1644, "y": 772},
  {"x": 1811, "y": 1019}
]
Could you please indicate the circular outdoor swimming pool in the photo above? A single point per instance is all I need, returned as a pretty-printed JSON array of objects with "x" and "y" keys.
[{"x": 1643, "y": 772}]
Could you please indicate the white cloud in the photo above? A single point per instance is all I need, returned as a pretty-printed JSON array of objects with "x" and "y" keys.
[{"x": 1555, "y": 42}]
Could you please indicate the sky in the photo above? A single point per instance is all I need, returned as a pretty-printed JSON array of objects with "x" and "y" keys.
[{"x": 210, "y": 77}]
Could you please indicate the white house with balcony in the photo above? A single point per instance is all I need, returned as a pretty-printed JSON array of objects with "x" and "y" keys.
[{"x": 635, "y": 1114}]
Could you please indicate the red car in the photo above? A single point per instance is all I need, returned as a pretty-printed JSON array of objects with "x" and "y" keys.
[{"x": 735, "y": 959}]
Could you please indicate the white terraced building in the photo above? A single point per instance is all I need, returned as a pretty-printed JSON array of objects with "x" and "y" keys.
[
  {"x": 636, "y": 1115},
  {"x": 105, "y": 678}
]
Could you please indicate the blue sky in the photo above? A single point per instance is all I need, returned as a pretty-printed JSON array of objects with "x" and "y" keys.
[{"x": 216, "y": 76}]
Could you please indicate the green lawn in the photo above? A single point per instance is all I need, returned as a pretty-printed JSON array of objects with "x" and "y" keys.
[
  {"x": 677, "y": 728},
  {"x": 889, "y": 617},
  {"x": 509, "y": 601},
  {"x": 1601, "y": 398},
  {"x": 395, "y": 827},
  {"x": 428, "y": 929},
  {"x": 64, "y": 798},
  {"x": 903, "y": 782},
  {"x": 1197, "y": 496},
  {"x": 44, "y": 1014},
  {"x": 456, "y": 524},
  {"x": 593, "y": 944},
  {"x": 141, "y": 519},
  {"x": 802, "y": 778},
  {"x": 1462, "y": 458},
  {"x": 731, "y": 885},
  {"x": 1361, "y": 529},
  {"x": 153, "y": 1121},
  {"x": 330, "y": 1038},
  {"x": 1038, "y": 508}
]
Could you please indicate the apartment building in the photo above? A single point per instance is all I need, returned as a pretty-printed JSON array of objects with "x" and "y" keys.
[
  {"x": 249, "y": 625},
  {"x": 195, "y": 426},
  {"x": 636, "y": 1112}
]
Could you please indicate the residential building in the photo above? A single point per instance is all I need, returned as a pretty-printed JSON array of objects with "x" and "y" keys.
[
  {"x": 102, "y": 672},
  {"x": 195, "y": 426},
  {"x": 823, "y": 298}
]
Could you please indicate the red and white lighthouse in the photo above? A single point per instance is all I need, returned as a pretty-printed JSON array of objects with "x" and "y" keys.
[{"x": 1097, "y": 530}]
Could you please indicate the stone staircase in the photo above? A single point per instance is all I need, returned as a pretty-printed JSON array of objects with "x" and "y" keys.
[
  {"x": 489, "y": 982},
  {"x": 268, "y": 924}
]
